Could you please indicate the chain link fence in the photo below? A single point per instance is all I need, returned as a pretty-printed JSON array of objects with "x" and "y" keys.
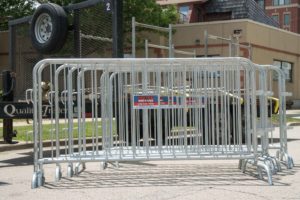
[{"x": 89, "y": 35}]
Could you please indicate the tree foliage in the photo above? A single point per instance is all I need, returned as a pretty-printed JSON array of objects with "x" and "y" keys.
[
  {"x": 13, "y": 9},
  {"x": 148, "y": 12},
  {"x": 145, "y": 11},
  {"x": 60, "y": 2}
]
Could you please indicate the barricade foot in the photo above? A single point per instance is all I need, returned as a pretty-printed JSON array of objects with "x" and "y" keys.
[
  {"x": 287, "y": 161},
  {"x": 272, "y": 162},
  {"x": 114, "y": 164},
  {"x": 38, "y": 179},
  {"x": 278, "y": 155},
  {"x": 265, "y": 167},
  {"x": 103, "y": 165},
  {"x": 58, "y": 173},
  {"x": 70, "y": 171},
  {"x": 34, "y": 181},
  {"x": 244, "y": 165},
  {"x": 77, "y": 168},
  {"x": 240, "y": 164},
  {"x": 278, "y": 164},
  {"x": 290, "y": 162}
]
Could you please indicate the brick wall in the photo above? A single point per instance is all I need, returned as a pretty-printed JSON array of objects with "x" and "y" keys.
[{"x": 294, "y": 11}]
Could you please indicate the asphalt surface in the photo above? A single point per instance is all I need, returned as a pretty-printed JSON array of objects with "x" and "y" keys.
[{"x": 150, "y": 180}]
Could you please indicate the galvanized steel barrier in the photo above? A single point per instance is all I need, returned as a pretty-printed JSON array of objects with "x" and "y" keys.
[{"x": 157, "y": 109}]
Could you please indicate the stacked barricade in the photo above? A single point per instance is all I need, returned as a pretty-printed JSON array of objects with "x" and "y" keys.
[{"x": 114, "y": 110}]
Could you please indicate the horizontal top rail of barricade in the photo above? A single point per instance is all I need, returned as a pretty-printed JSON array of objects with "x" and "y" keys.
[{"x": 139, "y": 63}]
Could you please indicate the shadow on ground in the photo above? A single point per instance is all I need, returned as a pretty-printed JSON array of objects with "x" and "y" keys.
[{"x": 149, "y": 175}]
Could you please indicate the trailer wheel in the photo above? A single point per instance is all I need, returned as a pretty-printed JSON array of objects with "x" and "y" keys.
[{"x": 49, "y": 28}]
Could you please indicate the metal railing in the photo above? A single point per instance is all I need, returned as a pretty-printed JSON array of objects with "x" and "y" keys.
[{"x": 157, "y": 109}]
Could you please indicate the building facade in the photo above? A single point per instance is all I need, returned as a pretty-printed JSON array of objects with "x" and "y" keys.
[
  {"x": 273, "y": 46},
  {"x": 285, "y": 12},
  {"x": 214, "y": 10}
]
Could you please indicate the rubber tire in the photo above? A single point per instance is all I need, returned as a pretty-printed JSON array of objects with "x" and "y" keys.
[{"x": 59, "y": 28}]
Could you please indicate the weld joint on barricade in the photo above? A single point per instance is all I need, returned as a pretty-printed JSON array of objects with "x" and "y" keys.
[
  {"x": 269, "y": 93},
  {"x": 287, "y": 94},
  {"x": 288, "y": 127},
  {"x": 260, "y": 130},
  {"x": 259, "y": 92},
  {"x": 270, "y": 129}
]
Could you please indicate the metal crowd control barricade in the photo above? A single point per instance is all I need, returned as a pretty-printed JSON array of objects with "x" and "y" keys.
[
  {"x": 269, "y": 107},
  {"x": 268, "y": 141},
  {"x": 112, "y": 110}
]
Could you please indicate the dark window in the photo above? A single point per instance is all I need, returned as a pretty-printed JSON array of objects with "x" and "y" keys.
[
  {"x": 286, "y": 19},
  {"x": 286, "y": 67},
  {"x": 183, "y": 12},
  {"x": 276, "y": 17},
  {"x": 217, "y": 16},
  {"x": 261, "y": 3},
  {"x": 281, "y": 2}
]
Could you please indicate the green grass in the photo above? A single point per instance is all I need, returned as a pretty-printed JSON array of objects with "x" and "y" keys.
[
  {"x": 275, "y": 120},
  {"x": 22, "y": 130},
  {"x": 63, "y": 132}
]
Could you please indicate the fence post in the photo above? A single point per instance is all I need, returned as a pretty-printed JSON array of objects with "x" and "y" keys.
[
  {"x": 8, "y": 96},
  {"x": 117, "y": 29}
]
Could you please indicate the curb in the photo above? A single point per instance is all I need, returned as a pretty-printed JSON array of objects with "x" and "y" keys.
[
  {"x": 22, "y": 145},
  {"x": 19, "y": 146}
]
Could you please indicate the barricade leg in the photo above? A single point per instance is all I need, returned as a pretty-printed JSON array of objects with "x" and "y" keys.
[
  {"x": 77, "y": 168},
  {"x": 70, "y": 171},
  {"x": 34, "y": 181},
  {"x": 103, "y": 165},
  {"x": 285, "y": 159},
  {"x": 263, "y": 166},
  {"x": 38, "y": 179},
  {"x": 58, "y": 173}
]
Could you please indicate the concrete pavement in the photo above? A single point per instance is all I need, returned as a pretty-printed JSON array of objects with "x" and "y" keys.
[{"x": 151, "y": 180}]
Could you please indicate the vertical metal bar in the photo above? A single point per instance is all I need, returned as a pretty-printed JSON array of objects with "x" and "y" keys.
[
  {"x": 250, "y": 51},
  {"x": 40, "y": 129},
  {"x": 171, "y": 55},
  {"x": 237, "y": 46},
  {"x": 70, "y": 110},
  {"x": 35, "y": 117},
  {"x": 83, "y": 110},
  {"x": 146, "y": 49},
  {"x": 77, "y": 34},
  {"x": 79, "y": 95},
  {"x": 97, "y": 92},
  {"x": 8, "y": 82},
  {"x": 133, "y": 35},
  {"x": 12, "y": 47},
  {"x": 117, "y": 29},
  {"x": 145, "y": 111},
  {"x": 230, "y": 46},
  {"x": 205, "y": 43}
]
